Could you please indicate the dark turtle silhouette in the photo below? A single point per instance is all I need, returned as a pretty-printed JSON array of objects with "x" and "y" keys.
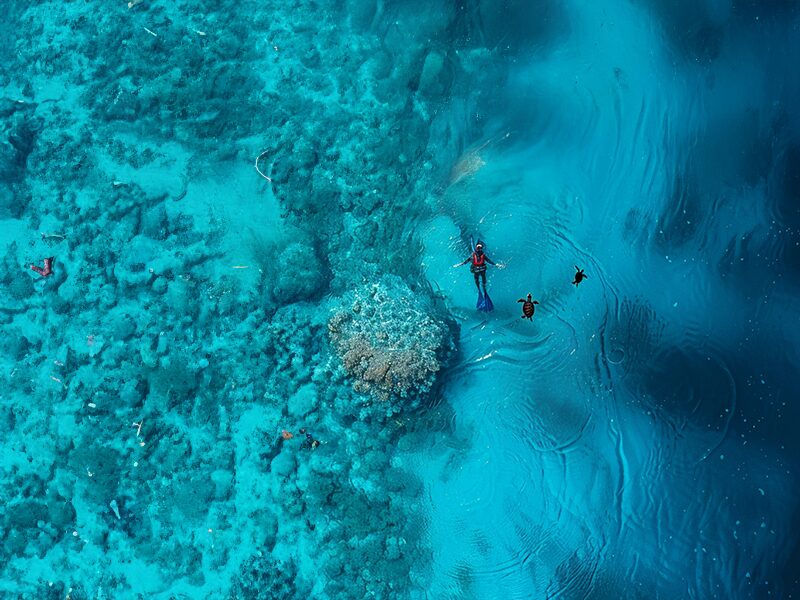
[
  {"x": 528, "y": 307},
  {"x": 579, "y": 276}
]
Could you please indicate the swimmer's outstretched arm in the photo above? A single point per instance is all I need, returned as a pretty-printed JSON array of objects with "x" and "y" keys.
[{"x": 491, "y": 262}]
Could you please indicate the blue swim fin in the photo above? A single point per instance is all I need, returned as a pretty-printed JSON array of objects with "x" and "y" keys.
[
  {"x": 480, "y": 302},
  {"x": 487, "y": 303}
]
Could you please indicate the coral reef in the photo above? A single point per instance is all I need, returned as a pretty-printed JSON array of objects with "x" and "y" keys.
[
  {"x": 146, "y": 380},
  {"x": 264, "y": 577},
  {"x": 390, "y": 340}
]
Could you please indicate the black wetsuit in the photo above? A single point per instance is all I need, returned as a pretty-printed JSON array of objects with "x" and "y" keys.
[{"x": 478, "y": 267}]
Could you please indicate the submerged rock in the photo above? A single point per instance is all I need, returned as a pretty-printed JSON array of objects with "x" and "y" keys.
[
  {"x": 298, "y": 275},
  {"x": 430, "y": 81},
  {"x": 304, "y": 401},
  {"x": 261, "y": 576}
]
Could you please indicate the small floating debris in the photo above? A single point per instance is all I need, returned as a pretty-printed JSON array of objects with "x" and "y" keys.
[
  {"x": 198, "y": 32},
  {"x": 150, "y": 32},
  {"x": 240, "y": 267},
  {"x": 115, "y": 508},
  {"x": 616, "y": 356},
  {"x": 259, "y": 170}
]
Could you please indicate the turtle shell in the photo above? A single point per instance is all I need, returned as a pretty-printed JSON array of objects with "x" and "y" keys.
[{"x": 527, "y": 309}]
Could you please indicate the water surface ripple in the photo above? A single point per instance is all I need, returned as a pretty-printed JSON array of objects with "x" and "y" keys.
[{"x": 630, "y": 439}]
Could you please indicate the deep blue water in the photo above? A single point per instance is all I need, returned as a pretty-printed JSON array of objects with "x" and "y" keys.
[{"x": 636, "y": 439}]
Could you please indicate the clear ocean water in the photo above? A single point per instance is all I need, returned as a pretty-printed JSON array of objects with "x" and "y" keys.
[{"x": 251, "y": 369}]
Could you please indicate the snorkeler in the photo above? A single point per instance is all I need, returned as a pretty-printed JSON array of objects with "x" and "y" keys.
[
  {"x": 309, "y": 442},
  {"x": 479, "y": 260},
  {"x": 45, "y": 271},
  {"x": 478, "y": 266}
]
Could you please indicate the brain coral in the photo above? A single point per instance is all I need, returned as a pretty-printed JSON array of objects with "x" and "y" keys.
[{"x": 391, "y": 341}]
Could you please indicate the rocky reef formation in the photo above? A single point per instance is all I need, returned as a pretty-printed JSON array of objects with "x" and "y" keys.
[
  {"x": 263, "y": 577},
  {"x": 146, "y": 382},
  {"x": 391, "y": 340}
]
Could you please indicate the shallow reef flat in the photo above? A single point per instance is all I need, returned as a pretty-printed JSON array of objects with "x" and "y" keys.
[{"x": 188, "y": 319}]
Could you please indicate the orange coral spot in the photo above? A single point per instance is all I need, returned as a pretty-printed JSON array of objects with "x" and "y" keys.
[{"x": 287, "y": 435}]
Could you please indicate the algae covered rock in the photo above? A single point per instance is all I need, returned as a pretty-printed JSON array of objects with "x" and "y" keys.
[
  {"x": 261, "y": 576},
  {"x": 299, "y": 274},
  {"x": 430, "y": 81},
  {"x": 391, "y": 341},
  {"x": 304, "y": 401}
]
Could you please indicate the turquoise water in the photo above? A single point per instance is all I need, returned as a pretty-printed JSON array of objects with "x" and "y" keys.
[{"x": 254, "y": 371}]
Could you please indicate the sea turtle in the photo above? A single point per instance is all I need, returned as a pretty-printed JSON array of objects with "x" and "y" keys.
[
  {"x": 528, "y": 307},
  {"x": 579, "y": 276}
]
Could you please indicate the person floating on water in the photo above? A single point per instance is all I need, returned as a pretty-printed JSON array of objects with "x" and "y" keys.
[
  {"x": 479, "y": 260},
  {"x": 528, "y": 307},
  {"x": 45, "y": 271},
  {"x": 579, "y": 276}
]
